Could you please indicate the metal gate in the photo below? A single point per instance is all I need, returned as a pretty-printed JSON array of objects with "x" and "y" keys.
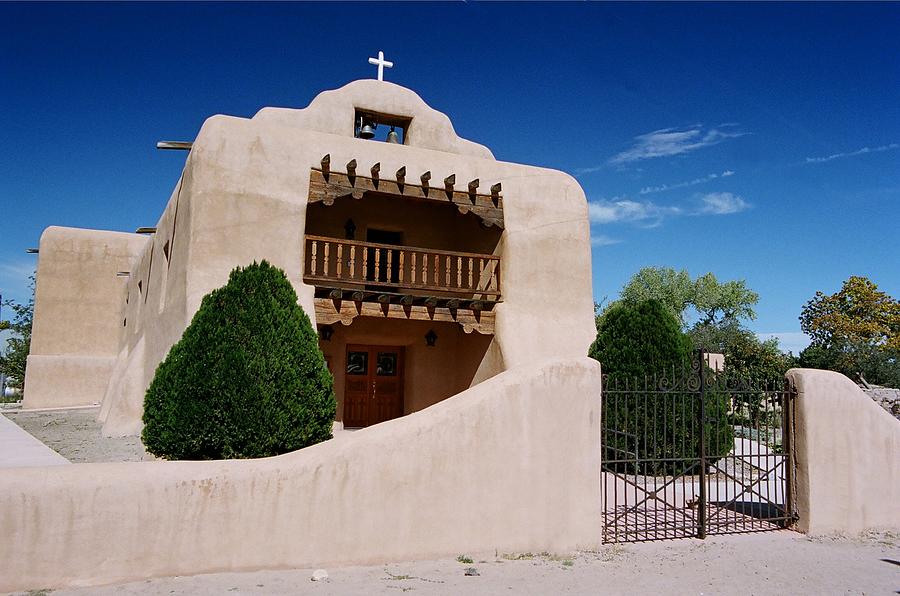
[{"x": 695, "y": 452}]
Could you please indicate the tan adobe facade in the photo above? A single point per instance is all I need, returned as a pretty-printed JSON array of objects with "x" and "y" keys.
[{"x": 428, "y": 266}]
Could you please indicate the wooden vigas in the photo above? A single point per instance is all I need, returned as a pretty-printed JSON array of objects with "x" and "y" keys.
[
  {"x": 344, "y": 310},
  {"x": 326, "y": 185}
]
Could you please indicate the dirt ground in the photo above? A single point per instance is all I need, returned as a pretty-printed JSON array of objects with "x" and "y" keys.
[
  {"x": 75, "y": 434},
  {"x": 767, "y": 563}
]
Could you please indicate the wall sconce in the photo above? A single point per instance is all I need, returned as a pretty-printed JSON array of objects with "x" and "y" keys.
[
  {"x": 325, "y": 332},
  {"x": 430, "y": 338},
  {"x": 350, "y": 230}
]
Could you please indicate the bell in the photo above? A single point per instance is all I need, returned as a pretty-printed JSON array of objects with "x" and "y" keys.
[
  {"x": 367, "y": 131},
  {"x": 393, "y": 137}
]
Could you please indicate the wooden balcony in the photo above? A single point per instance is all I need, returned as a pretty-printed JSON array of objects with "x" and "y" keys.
[{"x": 355, "y": 278}]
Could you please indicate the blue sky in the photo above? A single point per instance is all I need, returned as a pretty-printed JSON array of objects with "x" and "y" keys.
[{"x": 756, "y": 141}]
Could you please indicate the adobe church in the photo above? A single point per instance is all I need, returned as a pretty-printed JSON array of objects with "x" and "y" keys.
[{"x": 426, "y": 265}]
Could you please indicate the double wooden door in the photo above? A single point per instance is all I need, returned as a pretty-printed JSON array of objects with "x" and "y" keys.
[{"x": 373, "y": 386}]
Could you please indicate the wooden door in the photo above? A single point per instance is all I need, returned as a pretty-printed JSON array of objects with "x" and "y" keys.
[{"x": 373, "y": 389}]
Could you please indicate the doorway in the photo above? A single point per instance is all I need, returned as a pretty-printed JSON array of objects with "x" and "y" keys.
[
  {"x": 373, "y": 390},
  {"x": 387, "y": 260}
]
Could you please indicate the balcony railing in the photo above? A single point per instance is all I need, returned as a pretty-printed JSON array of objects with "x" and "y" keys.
[{"x": 368, "y": 266}]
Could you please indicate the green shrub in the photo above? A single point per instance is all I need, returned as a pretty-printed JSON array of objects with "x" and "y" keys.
[
  {"x": 634, "y": 340},
  {"x": 643, "y": 351},
  {"x": 247, "y": 378}
]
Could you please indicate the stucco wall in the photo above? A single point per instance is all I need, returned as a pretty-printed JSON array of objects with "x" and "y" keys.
[
  {"x": 333, "y": 112},
  {"x": 847, "y": 452},
  {"x": 77, "y": 314},
  {"x": 243, "y": 197},
  {"x": 511, "y": 464}
]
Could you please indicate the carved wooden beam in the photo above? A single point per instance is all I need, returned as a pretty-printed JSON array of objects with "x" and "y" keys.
[
  {"x": 488, "y": 207},
  {"x": 326, "y": 165},
  {"x": 328, "y": 313},
  {"x": 495, "y": 194},
  {"x": 473, "y": 189}
]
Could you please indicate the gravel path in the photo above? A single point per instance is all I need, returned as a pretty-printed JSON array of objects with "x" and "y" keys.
[
  {"x": 767, "y": 563},
  {"x": 75, "y": 434}
]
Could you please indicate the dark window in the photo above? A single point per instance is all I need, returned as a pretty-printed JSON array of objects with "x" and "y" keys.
[
  {"x": 357, "y": 363},
  {"x": 387, "y": 364}
]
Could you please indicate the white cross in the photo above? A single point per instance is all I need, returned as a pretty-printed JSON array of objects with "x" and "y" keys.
[{"x": 381, "y": 63}]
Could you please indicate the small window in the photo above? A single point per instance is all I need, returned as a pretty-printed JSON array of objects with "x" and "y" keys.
[
  {"x": 387, "y": 364},
  {"x": 380, "y": 127},
  {"x": 357, "y": 363}
]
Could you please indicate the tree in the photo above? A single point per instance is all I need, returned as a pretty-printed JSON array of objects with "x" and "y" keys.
[
  {"x": 15, "y": 358},
  {"x": 857, "y": 360},
  {"x": 859, "y": 312},
  {"x": 719, "y": 308},
  {"x": 723, "y": 303},
  {"x": 247, "y": 378},
  {"x": 746, "y": 357},
  {"x": 637, "y": 344},
  {"x": 713, "y": 302},
  {"x": 855, "y": 331},
  {"x": 673, "y": 289}
]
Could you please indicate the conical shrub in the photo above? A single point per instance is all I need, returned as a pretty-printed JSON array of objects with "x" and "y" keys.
[
  {"x": 651, "y": 411},
  {"x": 247, "y": 378}
]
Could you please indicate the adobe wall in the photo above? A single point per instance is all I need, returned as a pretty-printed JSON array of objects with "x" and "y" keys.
[
  {"x": 511, "y": 464},
  {"x": 77, "y": 315},
  {"x": 847, "y": 457},
  {"x": 243, "y": 197}
]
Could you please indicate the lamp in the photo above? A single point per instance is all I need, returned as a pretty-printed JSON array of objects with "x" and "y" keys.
[
  {"x": 325, "y": 332},
  {"x": 430, "y": 338},
  {"x": 393, "y": 137}
]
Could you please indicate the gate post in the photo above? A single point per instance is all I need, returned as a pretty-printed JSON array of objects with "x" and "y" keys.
[
  {"x": 787, "y": 446},
  {"x": 701, "y": 506}
]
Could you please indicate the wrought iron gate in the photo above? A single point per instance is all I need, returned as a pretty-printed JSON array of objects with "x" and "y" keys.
[{"x": 695, "y": 452}]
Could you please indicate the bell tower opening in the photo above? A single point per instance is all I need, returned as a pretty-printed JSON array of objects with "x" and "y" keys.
[{"x": 376, "y": 126}]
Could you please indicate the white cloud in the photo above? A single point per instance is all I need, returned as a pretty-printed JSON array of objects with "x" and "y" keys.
[
  {"x": 722, "y": 203},
  {"x": 644, "y": 213},
  {"x": 862, "y": 151},
  {"x": 579, "y": 171},
  {"x": 788, "y": 341},
  {"x": 671, "y": 141},
  {"x": 694, "y": 182},
  {"x": 601, "y": 240}
]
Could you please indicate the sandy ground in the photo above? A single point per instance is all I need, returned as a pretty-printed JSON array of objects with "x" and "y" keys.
[
  {"x": 75, "y": 434},
  {"x": 767, "y": 563}
]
